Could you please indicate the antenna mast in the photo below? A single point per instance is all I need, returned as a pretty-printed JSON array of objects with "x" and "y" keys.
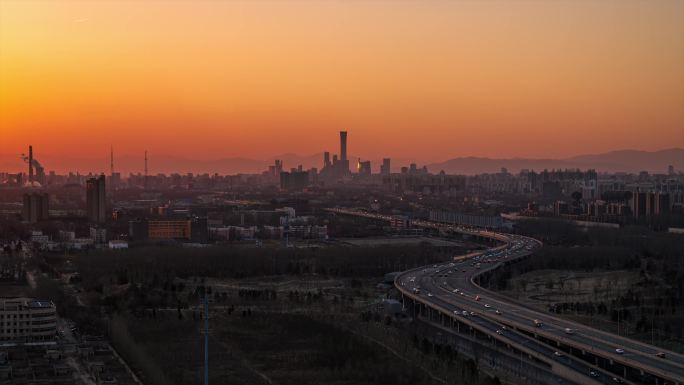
[{"x": 145, "y": 169}]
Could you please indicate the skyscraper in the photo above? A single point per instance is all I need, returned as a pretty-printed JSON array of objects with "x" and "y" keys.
[
  {"x": 96, "y": 199},
  {"x": 385, "y": 167},
  {"x": 343, "y": 145},
  {"x": 339, "y": 168},
  {"x": 364, "y": 168}
]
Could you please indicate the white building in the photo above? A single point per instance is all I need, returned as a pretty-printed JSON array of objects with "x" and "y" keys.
[
  {"x": 98, "y": 235},
  {"x": 118, "y": 244}
]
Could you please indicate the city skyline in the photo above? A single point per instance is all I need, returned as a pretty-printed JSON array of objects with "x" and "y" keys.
[
  {"x": 629, "y": 161},
  {"x": 221, "y": 80}
]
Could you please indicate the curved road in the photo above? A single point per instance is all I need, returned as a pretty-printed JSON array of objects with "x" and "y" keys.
[{"x": 450, "y": 289}]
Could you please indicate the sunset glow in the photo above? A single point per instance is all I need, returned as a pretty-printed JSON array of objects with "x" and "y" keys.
[{"x": 213, "y": 79}]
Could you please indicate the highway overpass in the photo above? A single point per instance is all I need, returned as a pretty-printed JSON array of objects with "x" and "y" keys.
[{"x": 448, "y": 295}]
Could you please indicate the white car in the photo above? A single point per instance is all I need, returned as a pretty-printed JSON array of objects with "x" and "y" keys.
[
  {"x": 455, "y": 291},
  {"x": 619, "y": 351},
  {"x": 558, "y": 354},
  {"x": 497, "y": 312},
  {"x": 487, "y": 305}
]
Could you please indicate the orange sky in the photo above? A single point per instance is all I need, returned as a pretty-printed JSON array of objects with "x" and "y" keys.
[{"x": 419, "y": 79}]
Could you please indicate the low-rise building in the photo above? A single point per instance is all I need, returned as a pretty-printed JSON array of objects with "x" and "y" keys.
[
  {"x": 118, "y": 244},
  {"x": 27, "y": 319}
]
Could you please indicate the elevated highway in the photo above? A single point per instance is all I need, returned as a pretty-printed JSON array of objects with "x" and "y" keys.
[{"x": 449, "y": 294}]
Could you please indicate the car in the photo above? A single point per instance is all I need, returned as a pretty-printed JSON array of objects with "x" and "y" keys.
[
  {"x": 558, "y": 354},
  {"x": 619, "y": 351},
  {"x": 429, "y": 294},
  {"x": 461, "y": 293},
  {"x": 499, "y": 332},
  {"x": 538, "y": 323},
  {"x": 455, "y": 291},
  {"x": 497, "y": 312},
  {"x": 465, "y": 313},
  {"x": 618, "y": 380},
  {"x": 593, "y": 374},
  {"x": 472, "y": 313},
  {"x": 477, "y": 298},
  {"x": 504, "y": 328},
  {"x": 487, "y": 305},
  {"x": 660, "y": 355},
  {"x": 569, "y": 331}
]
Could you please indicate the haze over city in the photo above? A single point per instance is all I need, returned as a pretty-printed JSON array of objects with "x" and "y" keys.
[
  {"x": 427, "y": 81},
  {"x": 341, "y": 192}
]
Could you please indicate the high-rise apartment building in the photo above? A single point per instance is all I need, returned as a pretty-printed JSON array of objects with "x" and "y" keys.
[
  {"x": 96, "y": 199},
  {"x": 294, "y": 180},
  {"x": 35, "y": 208},
  {"x": 649, "y": 203}
]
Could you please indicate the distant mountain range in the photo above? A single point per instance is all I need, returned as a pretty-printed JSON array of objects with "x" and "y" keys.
[
  {"x": 632, "y": 161},
  {"x": 615, "y": 161}
]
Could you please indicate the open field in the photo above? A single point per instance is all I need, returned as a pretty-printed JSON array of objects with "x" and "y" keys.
[
  {"x": 268, "y": 348},
  {"x": 276, "y": 316},
  {"x": 541, "y": 287},
  {"x": 311, "y": 331}
]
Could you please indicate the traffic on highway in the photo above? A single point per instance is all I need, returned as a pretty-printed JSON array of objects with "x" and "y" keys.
[{"x": 590, "y": 355}]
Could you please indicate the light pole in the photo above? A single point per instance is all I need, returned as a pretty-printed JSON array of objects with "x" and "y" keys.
[{"x": 206, "y": 338}]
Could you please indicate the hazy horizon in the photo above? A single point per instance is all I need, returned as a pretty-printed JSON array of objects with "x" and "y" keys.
[
  {"x": 430, "y": 81},
  {"x": 166, "y": 163}
]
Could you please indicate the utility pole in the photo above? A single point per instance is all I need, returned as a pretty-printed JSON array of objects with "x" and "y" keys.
[
  {"x": 145, "y": 170},
  {"x": 206, "y": 338}
]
